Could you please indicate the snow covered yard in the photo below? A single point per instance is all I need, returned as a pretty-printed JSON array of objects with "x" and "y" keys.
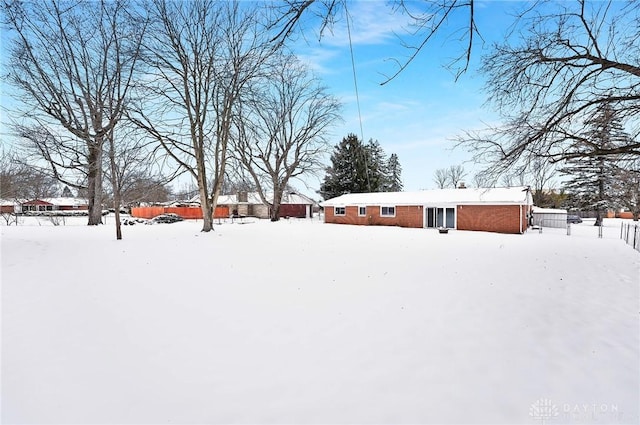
[{"x": 304, "y": 322}]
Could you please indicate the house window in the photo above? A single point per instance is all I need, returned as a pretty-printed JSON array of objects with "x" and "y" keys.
[
  {"x": 362, "y": 211},
  {"x": 387, "y": 211},
  {"x": 339, "y": 211}
]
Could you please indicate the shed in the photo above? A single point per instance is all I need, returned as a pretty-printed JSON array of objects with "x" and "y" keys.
[
  {"x": 503, "y": 210},
  {"x": 549, "y": 217},
  {"x": 9, "y": 207}
]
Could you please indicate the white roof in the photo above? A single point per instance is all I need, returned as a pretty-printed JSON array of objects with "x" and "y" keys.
[
  {"x": 8, "y": 202},
  {"x": 66, "y": 201},
  {"x": 254, "y": 199},
  {"x": 538, "y": 210},
  {"x": 436, "y": 197}
]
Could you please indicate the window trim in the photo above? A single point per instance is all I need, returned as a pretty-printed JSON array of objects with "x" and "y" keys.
[
  {"x": 387, "y": 215},
  {"x": 336, "y": 214},
  {"x": 360, "y": 213}
]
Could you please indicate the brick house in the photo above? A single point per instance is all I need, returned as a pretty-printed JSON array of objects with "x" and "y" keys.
[
  {"x": 502, "y": 210},
  {"x": 244, "y": 204},
  {"x": 55, "y": 204},
  {"x": 9, "y": 207},
  {"x": 250, "y": 204}
]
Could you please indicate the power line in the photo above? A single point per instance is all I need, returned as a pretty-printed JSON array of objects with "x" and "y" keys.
[{"x": 355, "y": 83}]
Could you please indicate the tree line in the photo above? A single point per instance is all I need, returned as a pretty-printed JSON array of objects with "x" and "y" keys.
[
  {"x": 187, "y": 83},
  {"x": 590, "y": 181},
  {"x": 202, "y": 88}
]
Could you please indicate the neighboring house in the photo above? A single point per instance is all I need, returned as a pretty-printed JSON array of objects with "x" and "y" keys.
[
  {"x": 36, "y": 205},
  {"x": 243, "y": 204},
  {"x": 55, "y": 204},
  {"x": 69, "y": 204},
  {"x": 8, "y": 206},
  {"x": 249, "y": 204},
  {"x": 503, "y": 210}
]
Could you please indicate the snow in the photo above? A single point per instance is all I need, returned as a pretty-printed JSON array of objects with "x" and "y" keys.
[
  {"x": 254, "y": 198},
  {"x": 68, "y": 201},
  {"x": 548, "y": 210},
  {"x": 439, "y": 197},
  {"x": 305, "y": 322}
]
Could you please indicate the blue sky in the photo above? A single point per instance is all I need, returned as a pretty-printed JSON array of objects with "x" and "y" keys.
[{"x": 418, "y": 113}]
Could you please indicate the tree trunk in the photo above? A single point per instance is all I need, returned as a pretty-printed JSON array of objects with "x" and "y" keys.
[
  {"x": 207, "y": 217},
  {"x": 275, "y": 207},
  {"x": 216, "y": 193},
  {"x": 207, "y": 211},
  {"x": 601, "y": 193},
  {"x": 95, "y": 186},
  {"x": 205, "y": 202},
  {"x": 115, "y": 184},
  {"x": 116, "y": 206},
  {"x": 598, "y": 218}
]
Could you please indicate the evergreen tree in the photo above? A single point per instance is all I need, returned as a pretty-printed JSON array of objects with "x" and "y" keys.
[
  {"x": 376, "y": 163},
  {"x": 394, "y": 174},
  {"x": 348, "y": 171},
  {"x": 591, "y": 174},
  {"x": 66, "y": 192},
  {"x": 357, "y": 168}
]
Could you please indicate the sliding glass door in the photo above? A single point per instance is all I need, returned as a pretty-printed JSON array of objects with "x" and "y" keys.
[{"x": 440, "y": 217}]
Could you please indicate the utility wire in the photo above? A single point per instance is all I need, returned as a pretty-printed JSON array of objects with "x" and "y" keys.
[{"x": 355, "y": 83}]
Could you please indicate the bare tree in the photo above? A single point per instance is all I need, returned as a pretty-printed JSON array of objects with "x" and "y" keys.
[
  {"x": 20, "y": 181},
  {"x": 72, "y": 65},
  {"x": 480, "y": 179},
  {"x": 542, "y": 173},
  {"x": 289, "y": 14},
  {"x": 426, "y": 20},
  {"x": 559, "y": 62},
  {"x": 572, "y": 58},
  {"x": 626, "y": 187},
  {"x": 285, "y": 133},
  {"x": 131, "y": 165},
  {"x": 237, "y": 179},
  {"x": 202, "y": 56},
  {"x": 449, "y": 177},
  {"x": 455, "y": 174},
  {"x": 139, "y": 175},
  {"x": 441, "y": 178}
]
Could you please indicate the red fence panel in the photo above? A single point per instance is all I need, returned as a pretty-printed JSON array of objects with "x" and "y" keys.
[
  {"x": 146, "y": 212},
  {"x": 184, "y": 212},
  {"x": 221, "y": 212}
]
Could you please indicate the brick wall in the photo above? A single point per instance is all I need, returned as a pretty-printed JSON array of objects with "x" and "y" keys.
[
  {"x": 410, "y": 216},
  {"x": 491, "y": 218},
  {"x": 406, "y": 216},
  {"x": 487, "y": 218}
]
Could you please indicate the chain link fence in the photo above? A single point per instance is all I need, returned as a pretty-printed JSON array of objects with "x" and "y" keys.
[{"x": 630, "y": 233}]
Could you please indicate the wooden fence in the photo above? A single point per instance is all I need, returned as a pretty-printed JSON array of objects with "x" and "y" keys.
[{"x": 184, "y": 212}]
